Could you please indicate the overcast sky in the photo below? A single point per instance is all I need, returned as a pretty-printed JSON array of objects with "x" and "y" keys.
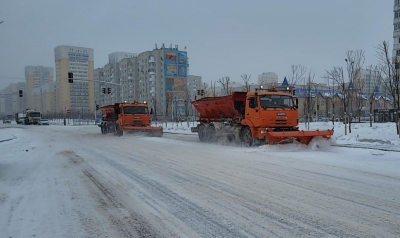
[{"x": 223, "y": 38}]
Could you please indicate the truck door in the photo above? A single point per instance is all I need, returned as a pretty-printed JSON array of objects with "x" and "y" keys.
[{"x": 253, "y": 113}]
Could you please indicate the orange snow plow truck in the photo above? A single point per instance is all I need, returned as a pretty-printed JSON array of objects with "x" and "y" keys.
[
  {"x": 266, "y": 116},
  {"x": 133, "y": 117}
]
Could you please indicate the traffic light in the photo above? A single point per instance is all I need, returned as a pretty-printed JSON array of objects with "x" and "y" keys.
[
  {"x": 109, "y": 90},
  {"x": 97, "y": 107},
  {"x": 70, "y": 77},
  {"x": 202, "y": 92},
  {"x": 104, "y": 90},
  {"x": 20, "y": 93},
  {"x": 294, "y": 92},
  {"x": 198, "y": 91}
]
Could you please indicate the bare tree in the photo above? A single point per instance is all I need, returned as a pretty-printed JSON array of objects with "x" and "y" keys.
[
  {"x": 331, "y": 87},
  {"x": 207, "y": 89},
  {"x": 309, "y": 103},
  {"x": 246, "y": 79},
  {"x": 355, "y": 61},
  {"x": 297, "y": 74},
  {"x": 213, "y": 89},
  {"x": 336, "y": 74},
  {"x": 359, "y": 89},
  {"x": 374, "y": 82},
  {"x": 389, "y": 68},
  {"x": 225, "y": 81}
]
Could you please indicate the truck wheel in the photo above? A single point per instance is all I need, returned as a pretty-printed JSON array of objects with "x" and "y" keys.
[
  {"x": 211, "y": 137},
  {"x": 202, "y": 133},
  {"x": 118, "y": 131},
  {"x": 247, "y": 138}
]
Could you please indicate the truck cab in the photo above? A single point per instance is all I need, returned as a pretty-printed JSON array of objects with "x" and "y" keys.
[
  {"x": 271, "y": 109},
  {"x": 133, "y": 114}
]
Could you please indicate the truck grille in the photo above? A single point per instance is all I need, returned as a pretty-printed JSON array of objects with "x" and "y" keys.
[
  {"x": 281, "y": 122},
  {"x": 137, "y": 123}
]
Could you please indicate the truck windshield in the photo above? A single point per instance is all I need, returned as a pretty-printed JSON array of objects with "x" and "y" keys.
[
  {"x": 276, "y": 101},
  {"x": 34, "y": 114},
  {"x": 135, "y": 110}
]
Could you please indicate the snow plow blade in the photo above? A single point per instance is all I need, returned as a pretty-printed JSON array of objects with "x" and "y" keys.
[
  {"x": 304, "y": 137},
  {"x": 150, "y": 131}
]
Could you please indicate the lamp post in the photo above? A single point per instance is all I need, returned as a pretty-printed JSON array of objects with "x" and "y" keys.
[
  {"x": 350, "y": 67},
  {"x": 370, "y": 111}
]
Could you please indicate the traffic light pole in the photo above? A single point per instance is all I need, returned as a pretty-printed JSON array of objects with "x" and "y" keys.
[
  {"x": 98, "y": 81},
  {"x": 105, "y": 82}
]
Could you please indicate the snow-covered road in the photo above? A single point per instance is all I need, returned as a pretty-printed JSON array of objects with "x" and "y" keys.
[{"x": 70, "y": 181}]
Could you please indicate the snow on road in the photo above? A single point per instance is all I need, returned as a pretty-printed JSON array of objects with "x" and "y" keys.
[{"x": 58, "y": 181}]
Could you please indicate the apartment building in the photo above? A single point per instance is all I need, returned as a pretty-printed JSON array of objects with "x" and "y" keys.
[
  {"x": 10, "y": 101},
  {"x": 396, "y": 30},
  {"x": 194, "y": 83},
  {"x": 36, "y": 76},
  {"x": 116, "y": 57},
  {"x": 369, "y": 81},
  {"x": 267, "y": 79},
  {"x": 79, "y": 95},
  {"x": 158, "y": 77},
  {"x": 44, "y": 98}
]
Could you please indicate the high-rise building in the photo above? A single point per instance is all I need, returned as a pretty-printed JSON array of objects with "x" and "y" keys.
[
  {"x": 78, "y": 97},
  {"x": 118, "y": 56},
  {"x": 193, "y": 84},
  {"x": 10, "y": 100},
  {"x": 268, "y": 79},
  {"x": 36, "y": 76},
  {"x": 396, "y": 31},
  {"x": 44, "y": 99},
  {"x": 158, "y": 77},
  {"x": 369, "y": 81}
]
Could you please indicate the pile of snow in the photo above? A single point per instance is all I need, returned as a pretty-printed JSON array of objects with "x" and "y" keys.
[
  {"x": 378, "y": 134},
  {"x": 361, "y": 133}
]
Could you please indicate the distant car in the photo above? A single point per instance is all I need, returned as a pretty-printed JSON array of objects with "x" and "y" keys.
[
  {"x": 44, "y": 122},
  {"x": 6, "y": 121}
]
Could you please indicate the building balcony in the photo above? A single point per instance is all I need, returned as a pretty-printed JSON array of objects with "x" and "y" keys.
[
  {"x": 396, "y": 33},
  {"x": 151, "y": 60}
]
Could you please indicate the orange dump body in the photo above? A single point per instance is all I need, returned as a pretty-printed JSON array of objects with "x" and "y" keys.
[{"x": 221, "y": 108}]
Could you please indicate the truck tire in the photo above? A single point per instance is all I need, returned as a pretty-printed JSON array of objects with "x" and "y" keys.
[
  {"x": 118, "y": 131},
  {"x": 247, "y": 138},
  {"x": 211, "y": 134},
  {"x": 202, "y": 133}
]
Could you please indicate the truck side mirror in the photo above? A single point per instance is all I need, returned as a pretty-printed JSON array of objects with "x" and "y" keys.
[
  {"x": 252, "y": 103},
  {"x": 151, "y": 110},
  {"x": 297, "y": 103},
  {"x": 117, "y": 110}
]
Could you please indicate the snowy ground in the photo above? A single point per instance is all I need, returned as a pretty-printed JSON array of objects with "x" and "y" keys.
[{"x": 71, "y": 181}]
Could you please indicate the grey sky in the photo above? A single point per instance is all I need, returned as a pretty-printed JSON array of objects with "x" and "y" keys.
[{"x": 223, "y": 38}]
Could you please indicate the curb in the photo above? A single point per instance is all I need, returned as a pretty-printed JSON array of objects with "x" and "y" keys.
[
  {"x": 392, "y": 149},
  {"x": 8, "y": 139}
]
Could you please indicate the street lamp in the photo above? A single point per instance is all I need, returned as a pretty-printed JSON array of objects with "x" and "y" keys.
[
  {"x": 351, "y": 69},
  {"x": 370, "y": 111}
]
